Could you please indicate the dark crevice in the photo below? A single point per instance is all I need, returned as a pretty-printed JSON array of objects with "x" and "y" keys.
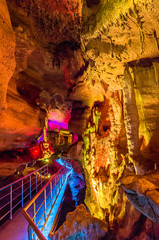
[
  {"x": 90, "y": 3},
  {"x": 145, "y": 62},
  {"x": 82, "y": 69},
  {"x": 64, "y": 46}
]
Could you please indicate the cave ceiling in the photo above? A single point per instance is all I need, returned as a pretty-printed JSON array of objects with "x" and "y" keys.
[
  {"x": 73, "y": 47},
  {"x": 78, "y": 49}
]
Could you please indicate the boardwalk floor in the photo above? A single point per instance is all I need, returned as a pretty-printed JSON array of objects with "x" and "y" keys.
[{"x": 15, "y": 229}]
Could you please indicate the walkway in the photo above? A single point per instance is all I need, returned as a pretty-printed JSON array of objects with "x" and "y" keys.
[{"x": 16, "y": 229}]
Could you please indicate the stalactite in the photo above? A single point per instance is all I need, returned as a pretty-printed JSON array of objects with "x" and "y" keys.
[{"x": 131, "y": 118}]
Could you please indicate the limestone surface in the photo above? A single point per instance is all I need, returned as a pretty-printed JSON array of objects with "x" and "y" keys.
[{"x": 81, "y": 225}]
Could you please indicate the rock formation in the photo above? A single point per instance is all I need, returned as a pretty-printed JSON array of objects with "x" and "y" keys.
[
  {"x": 98, "y": 63},
  {"x": 142, "y": 191},
  {"x": 81, "y": 225}
]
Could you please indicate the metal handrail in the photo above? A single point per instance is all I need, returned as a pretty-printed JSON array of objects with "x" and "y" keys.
[
  {"x": 33, "y": 225},
  {"x": 24, "y": 177},
  {"x": 34, "y": 230},
  {"x": 17, "y": 189}
]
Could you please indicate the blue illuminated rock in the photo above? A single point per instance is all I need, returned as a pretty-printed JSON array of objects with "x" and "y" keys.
[{"x": 81, "y": 225}]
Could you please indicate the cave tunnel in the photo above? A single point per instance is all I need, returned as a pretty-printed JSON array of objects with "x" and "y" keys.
[{"x": 79, "y": 119}]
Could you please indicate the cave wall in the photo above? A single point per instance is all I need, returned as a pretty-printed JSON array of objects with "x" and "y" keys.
[
  {"x": 120, "y": 42},
  {"x": 7, "y": 61},
  {"x": 19, "y": 121}
]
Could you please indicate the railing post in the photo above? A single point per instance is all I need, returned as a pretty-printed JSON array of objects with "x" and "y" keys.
[
  {"x": 44, "y": 173},
  {"x": 30, "y": 186},
  {"x": 36, "y": 181},
  {"x": 22, "y": 192},
  {"x": 41, "y": 178},
  {"x": 11, "y": 202},
  {"x": 29, "y": 232},
  {"x": 34, "y": 219},
  {"x": 45, "y": 202},
  {"x": 51, "y": 192},
  {"x": 55, "y": 184},
  {"x": 58, "y": 183}
]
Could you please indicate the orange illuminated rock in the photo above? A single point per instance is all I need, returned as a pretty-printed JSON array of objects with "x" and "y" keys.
[{"x": 7, "y": 51}]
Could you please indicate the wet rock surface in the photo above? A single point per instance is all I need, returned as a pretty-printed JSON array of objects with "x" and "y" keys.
[{"x": 81, "y": 225}]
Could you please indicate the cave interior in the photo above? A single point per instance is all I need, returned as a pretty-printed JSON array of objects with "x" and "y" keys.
[{"x": 79, "y": 79}]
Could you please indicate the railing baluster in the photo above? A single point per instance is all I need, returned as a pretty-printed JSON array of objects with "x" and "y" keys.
[
  {"x": 41, "y": 178},
  {"x": 34, "y": 219},
  {"x": 22, "y": 192},
  {"x": 11, "y": 202},
  {"x": 51, "y": 192},
  {"x": 55, "y": 184},
  {"x": 30, "y": 186},
  {"x": 45, "y": 202},
  {"x": 58, "y": 181},
  {"x": 29, "y": 232},
  {"x": 36, "y": 181}
]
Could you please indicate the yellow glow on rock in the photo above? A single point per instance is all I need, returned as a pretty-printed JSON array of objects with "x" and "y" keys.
[
  {"x": 104, "y": 168},
  {"x": 46, "y": 160},
  {"x": 143, "y": 131}
]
